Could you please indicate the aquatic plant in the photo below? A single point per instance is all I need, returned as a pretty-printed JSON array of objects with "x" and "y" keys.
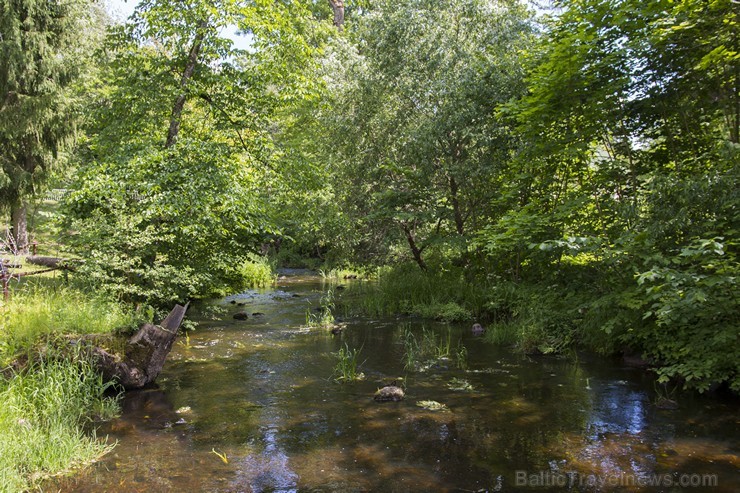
[
  {"x": 221, "y": 456},
  {"x": 346, "y": 369},
  {"x": 325, "y": 317},
  {"x": 429, "y": 348},
  {"x": 459, "y": 384},
  {"x": 432, "y": 405}
]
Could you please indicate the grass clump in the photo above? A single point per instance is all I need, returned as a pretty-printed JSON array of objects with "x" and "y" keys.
[
  {"x": 257, "y": 272},
  {"x": 45, "y": 415},
  {"x": 342, "y": 274},
  {"x": 443, "y": 294},
  {"x": 346, "y": 369},
  {"x": 50, "y": 393},
  {"x": 324, "y": 318},
  {"x": 429, "y": 349}
]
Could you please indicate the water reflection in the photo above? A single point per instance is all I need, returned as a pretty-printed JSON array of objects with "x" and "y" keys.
[
  {"x": 260, "y": 393},
  {"x": 617, "y": 407},
  {"x": 268, "y": 470}
]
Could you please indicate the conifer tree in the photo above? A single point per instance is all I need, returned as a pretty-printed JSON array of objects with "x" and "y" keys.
[{"x": 41, "y": 43}]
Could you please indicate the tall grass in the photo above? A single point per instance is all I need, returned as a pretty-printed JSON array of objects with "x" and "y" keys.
[
  {"x": 346, "y": 369},
  {"x": 325, "y": 317},
  {"x": 428, "y": 348},
  {"x": 45, "y": 413},
  {"x": 541, "y": 318},
  {"x": 257, "y": 272},
  {"x": 444, "y": 294},
  {"x": 47, "y": 406},
  {"x": 35, "y": 313},
  {"x": 341, "y": 274}
]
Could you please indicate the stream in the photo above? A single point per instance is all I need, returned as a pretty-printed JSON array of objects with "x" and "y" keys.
[{"x": 251, "y": 406}]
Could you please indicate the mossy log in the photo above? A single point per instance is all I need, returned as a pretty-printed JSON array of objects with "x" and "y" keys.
[
  {"x": 51, "y": 262},
  {"x": 144, "y": 354}
]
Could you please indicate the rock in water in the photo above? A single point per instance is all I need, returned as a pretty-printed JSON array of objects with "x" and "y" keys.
[
  {"x": 241, "y": 316},
  {"x": 389, "y": 393},
  {"x": 478, "y": 330}
]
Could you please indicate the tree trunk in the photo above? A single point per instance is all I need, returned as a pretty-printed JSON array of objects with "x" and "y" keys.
[
  {"x": 338, "y": 7},
  {"x": 19, "y": 218},
  {"x": 415, "y": 250},
  {"x": 459, "y": 220},
  {"x": 144, "y": 355},
  {"x": 52, "y": 262},
  {"x": 186, "y": 76}
]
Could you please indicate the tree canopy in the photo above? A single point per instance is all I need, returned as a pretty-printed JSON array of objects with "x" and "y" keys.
[{"x": 570, "y": 177}]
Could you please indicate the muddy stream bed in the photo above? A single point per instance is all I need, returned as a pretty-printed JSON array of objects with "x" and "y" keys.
[{"x": 251, "y": 406}]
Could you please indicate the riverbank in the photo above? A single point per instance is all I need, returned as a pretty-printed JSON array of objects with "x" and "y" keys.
[{"x": 51, "y": 400}]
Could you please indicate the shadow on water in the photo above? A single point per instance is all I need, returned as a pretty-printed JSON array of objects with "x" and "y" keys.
[{"x": 250, "y": 406}]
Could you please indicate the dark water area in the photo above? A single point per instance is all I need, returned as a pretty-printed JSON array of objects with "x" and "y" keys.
[{"x": 251, "y": 406}]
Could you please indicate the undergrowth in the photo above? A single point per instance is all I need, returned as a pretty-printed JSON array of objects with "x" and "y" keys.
[
  {"x": 50, "y": 394},
  {"x": 35, "y": 312},
  {"x": 46, "y": 411},
  {"x": 440, "y": 294},
  {"x": 257, "y": 272}
]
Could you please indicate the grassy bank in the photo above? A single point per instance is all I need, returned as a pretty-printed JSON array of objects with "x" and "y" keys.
[
  {"x": 49, "y": 401},
  {"x": 580, "y": 305},
  {"x": 442, "y": 294}
]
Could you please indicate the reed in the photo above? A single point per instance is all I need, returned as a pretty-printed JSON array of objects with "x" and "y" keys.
[{"x": 346, "y": 369}]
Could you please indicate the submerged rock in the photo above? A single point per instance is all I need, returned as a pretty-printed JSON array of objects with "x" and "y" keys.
[
  {"x": 241, "y": 316},
  {"x": 389, "y": 393},
  {"x": 666, "y": 404}
]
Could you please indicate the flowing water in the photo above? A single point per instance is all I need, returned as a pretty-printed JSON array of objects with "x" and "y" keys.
[{"x": 251, "y": 406}]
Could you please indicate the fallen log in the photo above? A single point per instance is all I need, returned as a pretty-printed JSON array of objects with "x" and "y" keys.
[
  {"x": 51, "y": 262},
  {"x": 144, "y": 354}
]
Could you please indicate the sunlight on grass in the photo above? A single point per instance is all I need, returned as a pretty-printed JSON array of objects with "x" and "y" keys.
[
  {"x": 35, "y": 313},
  {"x": 45, "y": 411}
]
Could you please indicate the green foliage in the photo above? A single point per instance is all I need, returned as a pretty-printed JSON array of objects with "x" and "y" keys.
[
  {"x": 690, "y": 306},
  {"x": 428, "y": 349},
  {"x": 446, "y": 312},
  {"x": 346, "y": 369},
  {"x": 442, "y": 294},
  {"x": 419, "y": 149},
  {"x": 624, "y": 233},
  {"x": 324, "y": 318},
  {"x": 257, "y": 272},
  {"x": 161, "y": 223},
  {"x": 537, "y": 318},
  {"x": 45, "y": 412},
  {"x": 35, "y": 314},
  {"x": 45, "y": 50}
]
